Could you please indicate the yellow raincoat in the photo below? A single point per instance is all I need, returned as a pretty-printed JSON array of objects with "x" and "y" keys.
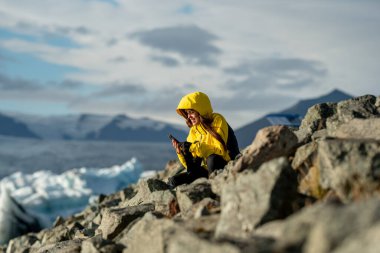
[{"x": 203, "y": 143}]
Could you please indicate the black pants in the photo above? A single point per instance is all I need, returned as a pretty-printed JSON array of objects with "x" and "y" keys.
[{"x": 214, "y": 162}]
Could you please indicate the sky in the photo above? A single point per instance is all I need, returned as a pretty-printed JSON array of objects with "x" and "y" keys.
[{"x": 139, "y": 58}]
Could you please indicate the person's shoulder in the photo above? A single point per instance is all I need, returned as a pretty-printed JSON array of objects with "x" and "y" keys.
[
  {"x": 217, "y": 118},
  {"x": 216, "y": 115}
]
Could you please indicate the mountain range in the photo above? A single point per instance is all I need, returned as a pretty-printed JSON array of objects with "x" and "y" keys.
[
  {"x": 88, "y": 127},
  {"x": 247, "y": 133},
  {"x": 124, "y": 128}
]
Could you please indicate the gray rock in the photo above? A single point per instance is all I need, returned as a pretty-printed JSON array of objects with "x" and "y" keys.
[
  {"x": 319, "y": 134},
  {"x": 273, "y": 229},
  {"x": 55, "y": 235},
  {"x": 188, "y": 195},
  {"x": 333, "y": 228},
  {"x": 58, "y": 221},
  {"x": 316, "y": 116},
  {"x": 167, "y": 236},
  {"x": 172, "y": 167},
  {"x": 203, "y": 226},
  {"x": 182, "y": 241},
  {"x": 115, "y": 220},
  {"x": 363, "y": 242},
  {"x": 332, "y": 115},
  {"x": 156, "y": 185},
  {"x": 349, "y": 167},
  {"x": 218, "y": 178},
  {"x": 21, "y": 244},
  {"x": 97, "y": 244},
  {"x": 148, "y": 227},
  {"x": 84, "y": 233},
  {"x": 205, "y": 207},
  {"x": 71, "y": 246},
  {"x": 127, "y": 193},
  {"x": 256, "y": 198},
  {"x": 356, "y": 108},
  {"x": 323, "y": 227},
  {"x": 304, "y": 155},
  {"x": 303, "y": 135},
  {"x": 270, "y": 142},
  {"x": 358, "y": 129},
  {"x": 308, "y": 174},
  {"x": 154, "y": 191}
]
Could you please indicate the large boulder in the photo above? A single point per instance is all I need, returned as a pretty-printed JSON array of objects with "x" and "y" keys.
[
  {"x": 349, "y": 167},
  {"x": 358, "y": 129},
  {"x": 316, "y": 117},
  {"x": 22, "y": 243},
  {"x": 167, "y": 236},
  {"x": 70, "y": 246},
  {"x": 98, "y": 244},
  {"x": 331, "y": 115},
  {"x": 363, "y": 107},
  {"x": 157, "y": 193},
  {"x": 366, "y": 241},
  {"x": 183, "y": 241},
  {"x": 189, "y": 195},
  {"x": 114, "y": 220},
  {"x": 323, "y": 227},
  {"x": 269, "y": 143},
  {"x": 147, "y": 235},
  {"x": 255, "y": 198}
]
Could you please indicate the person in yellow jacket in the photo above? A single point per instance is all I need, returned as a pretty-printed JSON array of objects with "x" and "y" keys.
[{"x": 211, "y": 142}]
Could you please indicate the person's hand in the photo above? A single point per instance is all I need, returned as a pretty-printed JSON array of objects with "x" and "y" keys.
[{"x": 176, "y": 146}]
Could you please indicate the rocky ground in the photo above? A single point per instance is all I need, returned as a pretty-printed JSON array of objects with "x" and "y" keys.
[{"x": 312, "y": 189}]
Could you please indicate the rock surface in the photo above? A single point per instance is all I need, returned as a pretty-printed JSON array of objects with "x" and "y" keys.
[{"x": 314, "y": 189}]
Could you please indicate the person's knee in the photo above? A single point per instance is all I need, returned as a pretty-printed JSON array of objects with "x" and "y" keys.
[
  {"x": 215, "y": 162},
  {"x": 176, "y": 180}
]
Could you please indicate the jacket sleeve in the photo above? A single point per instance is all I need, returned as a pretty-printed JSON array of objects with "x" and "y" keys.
[
  {"x": 190, "y": 138},
  {"x": 210, "y": 145},
  {"x": 182, "y": 160}
]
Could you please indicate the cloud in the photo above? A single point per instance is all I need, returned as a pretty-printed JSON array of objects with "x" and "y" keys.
[
  {"x": 66, "y": 30},
  {"x": 119, "y": 89},
  {"x": 167, "y": 61},
  {"x": 190, "y": 41},
  {"x": 274, "y": 52},
  {"x": 9, "y": 84},
  {"x": 53, "y": 34},
  {"x": 70, "y": 84},
  {"x": 22, "y": 90},
  {"x": 260, "y": 102},
  {"x": 119, "y": 59},
  {"x": 278, "y": 73}
]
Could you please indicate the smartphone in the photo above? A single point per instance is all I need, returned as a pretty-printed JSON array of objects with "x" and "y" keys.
[{"x": 171, "y": 137}]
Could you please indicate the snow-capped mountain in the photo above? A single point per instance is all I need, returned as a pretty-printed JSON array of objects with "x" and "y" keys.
[
  {"x": 122, "y": 128},
  {"x": 90, "y": 127}
]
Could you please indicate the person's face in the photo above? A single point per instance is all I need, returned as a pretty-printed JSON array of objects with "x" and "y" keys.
[{"x": 193, "y": 116}]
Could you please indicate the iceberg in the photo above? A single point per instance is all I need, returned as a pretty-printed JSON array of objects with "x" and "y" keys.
[
  {"x": 45, "y": 195},
  {"x": 14, "y": 219}
]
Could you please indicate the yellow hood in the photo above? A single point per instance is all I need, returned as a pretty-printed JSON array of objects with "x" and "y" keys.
[{"x": 196, "y": 101}]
